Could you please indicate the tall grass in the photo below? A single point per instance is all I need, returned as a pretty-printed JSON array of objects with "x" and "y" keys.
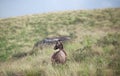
[{"x": 93, "y": 51}]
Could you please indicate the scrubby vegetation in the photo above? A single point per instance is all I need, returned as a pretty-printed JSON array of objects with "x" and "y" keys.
[{"x": 93, "y": 51}]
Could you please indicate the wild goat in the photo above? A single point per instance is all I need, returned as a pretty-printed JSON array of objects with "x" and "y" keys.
[{"x": 60, "y": 56}]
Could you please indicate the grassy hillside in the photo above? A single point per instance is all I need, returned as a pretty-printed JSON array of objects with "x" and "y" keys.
[{"x": 93, "y": 51}]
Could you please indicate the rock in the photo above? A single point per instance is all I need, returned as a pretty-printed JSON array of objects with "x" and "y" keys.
[{"x": 51, "y": 41}]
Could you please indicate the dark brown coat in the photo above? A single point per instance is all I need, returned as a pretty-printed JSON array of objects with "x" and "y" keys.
[{"x": 60, "y": 56}]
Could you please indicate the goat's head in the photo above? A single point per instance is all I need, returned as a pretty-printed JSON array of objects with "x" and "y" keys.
[{"x": 58, "y": 45}]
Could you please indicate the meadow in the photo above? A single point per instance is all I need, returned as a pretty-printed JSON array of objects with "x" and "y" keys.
[{"x": 94, "y": 49}]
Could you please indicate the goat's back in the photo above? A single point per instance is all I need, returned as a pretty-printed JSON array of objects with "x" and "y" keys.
[{"x": 58, "y": 57}]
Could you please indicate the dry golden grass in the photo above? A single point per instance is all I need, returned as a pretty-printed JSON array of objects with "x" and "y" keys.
[{"x": 93, "y": 51}]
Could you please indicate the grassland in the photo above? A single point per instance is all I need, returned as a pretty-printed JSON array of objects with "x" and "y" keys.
[{"x": 93, "y": 51}]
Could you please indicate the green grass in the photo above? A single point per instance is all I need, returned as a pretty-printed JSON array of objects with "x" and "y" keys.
[{"x": 93, "y": 50}]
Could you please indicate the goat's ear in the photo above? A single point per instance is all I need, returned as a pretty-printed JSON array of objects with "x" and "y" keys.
[{"x": 60, "y": 41}]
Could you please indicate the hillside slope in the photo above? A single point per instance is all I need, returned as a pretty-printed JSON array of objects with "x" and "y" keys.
[{"x": 93, "y": 51}]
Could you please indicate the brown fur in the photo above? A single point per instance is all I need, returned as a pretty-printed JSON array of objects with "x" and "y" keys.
[{"x": 59, "y": 56}]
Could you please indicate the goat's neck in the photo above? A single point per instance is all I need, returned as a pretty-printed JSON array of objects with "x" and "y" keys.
[{"x": 61, "y": 50}]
